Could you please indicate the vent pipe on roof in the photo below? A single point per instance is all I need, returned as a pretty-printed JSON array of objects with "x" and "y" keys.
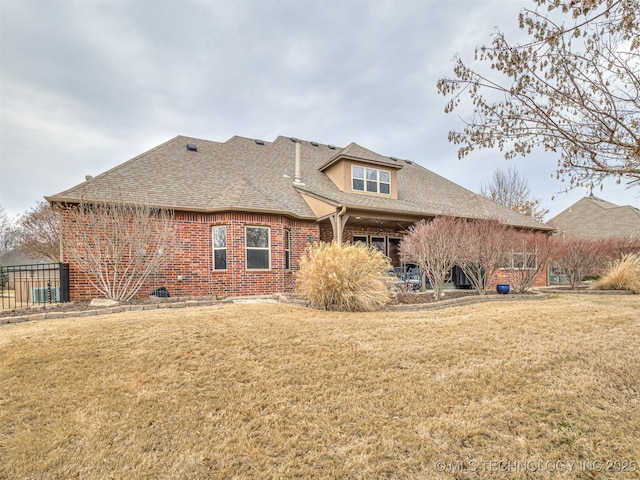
[{"x": 296, "y": 172}]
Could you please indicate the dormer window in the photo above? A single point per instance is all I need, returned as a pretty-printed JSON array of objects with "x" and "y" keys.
[{"x": 370, "y": 180}]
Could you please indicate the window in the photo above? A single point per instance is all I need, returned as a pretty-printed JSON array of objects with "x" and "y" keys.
[
  {"x": 287, "y": 250},
  {"x": 357, "y": 174},
  {"x": 361, "y": 239},
  {"x": 379, "y": 243},
  {"x": 522, "y": 261},
  {"x": 370, "y": 180},
  {"x": 393, "y": 251},
  {"x": 220, "y": 248},
  {"x": 258, "y": 252}
]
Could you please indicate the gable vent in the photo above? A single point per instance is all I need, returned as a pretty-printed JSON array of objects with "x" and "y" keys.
[
  {"x": 259, "y": 142},
  {"x": 332, "y": 147},
  {"x": 192, "y": 147},
  {"x": 315, "y": 144}
]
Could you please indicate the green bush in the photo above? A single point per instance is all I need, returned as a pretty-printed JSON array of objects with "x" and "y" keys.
[
  {"x": 590, "y": 278},
  {"x": 350, "y": 278},
  {"x": 4, "y": 277}
]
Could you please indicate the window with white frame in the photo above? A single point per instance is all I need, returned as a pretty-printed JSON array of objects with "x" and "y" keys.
[
  {"x": 257, "y": 248},
  {"x": 219, "y": 234},
  {"x": 287, "y": 250},
  {"x": 371, "y": 180},
  {"x": 521, "y": 261}
]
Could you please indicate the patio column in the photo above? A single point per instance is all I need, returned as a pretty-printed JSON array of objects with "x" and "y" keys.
[{"x": 338, "y": 221}]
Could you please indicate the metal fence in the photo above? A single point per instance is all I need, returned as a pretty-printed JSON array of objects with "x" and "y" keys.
[{"x": 28, "y": 285}]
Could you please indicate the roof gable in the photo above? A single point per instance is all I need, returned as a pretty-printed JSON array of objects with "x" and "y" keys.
[
  {"x": 595, "y": 218},
  {"x": 353, "y": 151}
]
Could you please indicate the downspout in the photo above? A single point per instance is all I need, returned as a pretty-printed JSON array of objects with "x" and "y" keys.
[{"x": 61, "y": 237}]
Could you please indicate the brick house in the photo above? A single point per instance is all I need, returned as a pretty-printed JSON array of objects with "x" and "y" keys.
[{"x": 246, "y": 209}]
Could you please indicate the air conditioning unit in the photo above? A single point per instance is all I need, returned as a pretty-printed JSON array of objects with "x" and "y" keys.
[{"x": 41, "y": 295}]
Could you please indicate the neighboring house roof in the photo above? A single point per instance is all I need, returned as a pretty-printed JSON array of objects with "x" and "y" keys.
[
  {"x": 16, "y": 257},
  {"x": 242, "y": 174},
  {"x": 594, "y": 218}
]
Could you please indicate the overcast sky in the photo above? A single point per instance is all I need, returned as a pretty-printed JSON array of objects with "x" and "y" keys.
[{"x": 87, "y": 85}]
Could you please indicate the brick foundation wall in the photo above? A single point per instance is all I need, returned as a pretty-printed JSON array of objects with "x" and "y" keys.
[{"x": 191, "y": 273}]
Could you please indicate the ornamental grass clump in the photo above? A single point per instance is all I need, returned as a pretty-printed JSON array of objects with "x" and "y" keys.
[
  {"x": 349, "y": 278},
  {"x": 621, "y": 274}
]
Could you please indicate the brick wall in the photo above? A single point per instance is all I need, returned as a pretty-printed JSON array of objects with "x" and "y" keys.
[
  {"x": 502, "y": 276},
  {"x": 191, "y": 273}
]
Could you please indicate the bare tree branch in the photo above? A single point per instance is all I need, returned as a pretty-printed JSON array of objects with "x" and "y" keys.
[
  {"x": 431, "y": 245},
  {"x": 37, "y": 233},
  {"x": 119, "y": 246},
  {"x": 508, "y": 188},
  {"x": 5, "y": 231},
  {"x": 574, "y": 89}
]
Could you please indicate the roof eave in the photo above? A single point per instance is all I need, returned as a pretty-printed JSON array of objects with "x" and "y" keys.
[
  {"x": 340, "y": 157},
  {"x": 203, "y": 210}
]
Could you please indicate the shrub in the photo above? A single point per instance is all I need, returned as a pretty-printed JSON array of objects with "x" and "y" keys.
[
  {"x": 347, "y": 277},
  {"x": 432, "y": 246},
  {"x": 577, "y": 257},
  {"x": 621, "y": 274},
  {"x": 4, "y": 277},
  {"x": 483, "y": 248}
]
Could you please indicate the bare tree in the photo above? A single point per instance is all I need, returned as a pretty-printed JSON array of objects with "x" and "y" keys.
[
  {"x": 483, "y": 248},
  {"x": 432, "y": 246},
  {"x": 508, "y": 188},
  {"x": 37, "y": 233},
  {"x": 577, "y": 257},
  {"x": 573, "y": 88},
  {"x": 529, "y": 255},
  {"x": 119, "y": 246},
  {"x": 5, "y": 231}
]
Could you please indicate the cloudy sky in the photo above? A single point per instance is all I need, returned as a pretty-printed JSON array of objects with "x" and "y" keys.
[{"x": 86, "y": 85}]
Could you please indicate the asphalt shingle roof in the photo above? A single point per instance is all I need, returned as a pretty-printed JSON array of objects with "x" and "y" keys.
[
  {"x": 243, "y": 175},
  {"x": 594, "y": 218}
]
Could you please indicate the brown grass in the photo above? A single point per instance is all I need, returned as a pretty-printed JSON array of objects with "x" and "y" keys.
[
  {"x": 278, "y": 391},
  {"x": 622, "y": 274}
]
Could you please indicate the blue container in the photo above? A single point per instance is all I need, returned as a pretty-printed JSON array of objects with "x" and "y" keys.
[{"x": 502, "y": 288}]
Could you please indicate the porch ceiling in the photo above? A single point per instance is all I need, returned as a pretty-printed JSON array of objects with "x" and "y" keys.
[{"x": 367, "y": 221}]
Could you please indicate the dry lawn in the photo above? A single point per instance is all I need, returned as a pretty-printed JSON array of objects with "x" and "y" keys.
[{"x": 278, "y": 391}]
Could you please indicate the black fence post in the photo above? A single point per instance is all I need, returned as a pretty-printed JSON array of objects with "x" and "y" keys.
[{"x": 65, "y": 294}]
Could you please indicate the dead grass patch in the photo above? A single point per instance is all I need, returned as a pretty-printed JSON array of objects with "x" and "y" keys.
[{"x": 278, "y": 391}]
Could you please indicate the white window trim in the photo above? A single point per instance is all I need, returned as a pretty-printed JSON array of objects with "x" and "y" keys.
[
  {"x": 365, "y": 180},
  {"x": 214, "y": 248},
  {"x": 287, "y": 249},
  {"x": 267, "y": 248},
  {"x": 525, "y": 255}
]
